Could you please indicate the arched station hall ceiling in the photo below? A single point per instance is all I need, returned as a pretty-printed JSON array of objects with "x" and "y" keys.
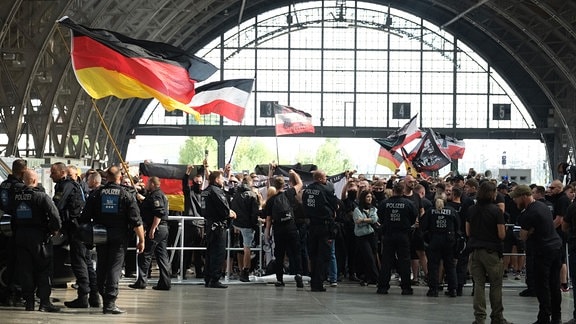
[{"x": 531, "y": 43}]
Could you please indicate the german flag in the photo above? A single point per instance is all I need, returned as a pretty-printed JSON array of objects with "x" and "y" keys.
[
  {"x": 170, "y": 181},
  {"x": 107, "y": 63},
  {"x": 391, "y": 160}
]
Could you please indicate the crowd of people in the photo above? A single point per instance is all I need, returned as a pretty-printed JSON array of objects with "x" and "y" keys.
[{"x": 438, "y": 232}]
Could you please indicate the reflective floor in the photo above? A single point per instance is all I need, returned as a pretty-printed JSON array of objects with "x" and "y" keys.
[{"x": 190, "y": 302}]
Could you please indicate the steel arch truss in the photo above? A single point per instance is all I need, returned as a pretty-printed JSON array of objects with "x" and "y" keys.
[{"x": 43, "y": 111}]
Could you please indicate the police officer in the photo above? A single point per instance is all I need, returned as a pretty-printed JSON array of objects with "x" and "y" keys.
[
  {"x": 320, "y": 205},
  {"x": 154, "y": 211},
  {"x": 69, "y": 199},
  {"x": 35, "y": 219},
  {"x": 217, "y": 212},
  {"x": 116, "y": 209},
  {"x": 398, "y": 216},
  {"x": 440, "y": 225},
  {"x": 11, "y": 295}
]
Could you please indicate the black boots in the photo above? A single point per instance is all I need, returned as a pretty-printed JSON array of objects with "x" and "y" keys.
[
  {"x": 111, "y": 308},
  {"x": 48, "y": 307},
  {"x": 244, "y": 275},
  {"x": 432, "y": 293},
  {"x": 29, "y": 304},
  {"x": 94, "y": 299},
  {"x": 80, "y": 302},
  {"x": 298, "y": 279},
  {"x": 217, "y": 284}
]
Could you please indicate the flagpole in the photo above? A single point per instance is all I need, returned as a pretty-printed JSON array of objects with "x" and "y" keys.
[
  {"x": 277, "y": 153},
  {"x": 233, "y": 148},
  {"x": 112, "y": 140}
]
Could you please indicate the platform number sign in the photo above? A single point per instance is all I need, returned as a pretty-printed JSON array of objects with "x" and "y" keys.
[
  {"x": 173, "y": 113},
  {"x": 501, "y": 112},
  {"x": 267, "y": 108},
  {"x": 401, "y": 110}
]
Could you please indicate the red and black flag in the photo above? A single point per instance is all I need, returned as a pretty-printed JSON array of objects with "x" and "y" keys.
[
  {"x": 226, "y": 98},
  {"x": 401, "y": 136},
  {"x": 292, "y": 121},
  {"x": 107, "y": 63},
  {"x": 428, "y": 156}
]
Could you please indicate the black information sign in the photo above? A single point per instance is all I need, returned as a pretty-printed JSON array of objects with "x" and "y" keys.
[
  {"x": 401, "y": 110},
  {"x": 501, "y": 112},
  {"x": 267, "y": 108}
]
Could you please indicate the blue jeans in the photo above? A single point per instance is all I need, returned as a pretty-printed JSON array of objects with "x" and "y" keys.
[{"x": 332, "y": 266}]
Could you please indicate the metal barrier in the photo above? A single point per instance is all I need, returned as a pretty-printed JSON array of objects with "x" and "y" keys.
[{"x": 179, "y": 245}]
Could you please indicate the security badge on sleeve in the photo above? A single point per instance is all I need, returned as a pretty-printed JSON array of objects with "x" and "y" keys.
[{"x": 157, "y": 203}]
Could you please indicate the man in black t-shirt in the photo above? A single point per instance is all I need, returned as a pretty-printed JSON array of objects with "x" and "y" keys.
[
  {"x": 538, "y": 230},
  {"x": 286, "y": 239},
  {"x": 561, "y": 201},
  {"x": 417, "y": 250}
]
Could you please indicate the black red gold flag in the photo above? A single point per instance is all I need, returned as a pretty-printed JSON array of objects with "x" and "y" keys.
[
  {"x": 107, "y": 63},
  {"x": 170, "y": 181}
]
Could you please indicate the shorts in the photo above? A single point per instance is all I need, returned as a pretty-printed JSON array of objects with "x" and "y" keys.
[
  {"x": 509, "y": 241},
  {"x": 247, "y": 236},
  {"x": 416, "y": 244}
]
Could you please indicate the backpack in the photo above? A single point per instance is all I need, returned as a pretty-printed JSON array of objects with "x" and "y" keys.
[{"x": 282, "y": 209}]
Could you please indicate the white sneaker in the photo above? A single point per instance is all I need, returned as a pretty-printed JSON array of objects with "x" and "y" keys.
[{"x": 333, "y": 284}]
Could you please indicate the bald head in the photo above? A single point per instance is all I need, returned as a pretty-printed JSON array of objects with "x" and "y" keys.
[
  {"x": 30, "y": 178},
  {"x": 319, "y": 176},
  {"x": 113, "y": 174},
  {"x": 556, "y": 187}
]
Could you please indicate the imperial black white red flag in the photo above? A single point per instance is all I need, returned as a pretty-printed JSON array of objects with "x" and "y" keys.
[
  {"x": 292, "y": 121},
  {"x": 226, "y": 98},
  {"x": 401, "y": 136}
]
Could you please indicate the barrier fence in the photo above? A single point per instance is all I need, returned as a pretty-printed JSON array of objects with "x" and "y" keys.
[{"x": 180, "y": 247}]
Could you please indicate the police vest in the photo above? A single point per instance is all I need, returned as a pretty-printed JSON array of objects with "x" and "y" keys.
[
  {"x": 7, "y": 190},
  {"x": 315, "y": 203},
  {"x": 111, "y": 206},
  {"x": 443, "y": 220},
  {"x": 397, "y": 214},
  {"x": 25, "y": 213}
]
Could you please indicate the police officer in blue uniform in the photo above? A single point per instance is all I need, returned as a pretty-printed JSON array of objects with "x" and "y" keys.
[
  {"x": 35, "y": 219},
  {"x": 11, "y": 295},
  {"x": 154, "y": 211},
  {"x": 320, "y": 205},
  {"x": 439, "y": 225},
  {"x": 217, "y": 212},
  {"x": 397, "y": 216},
  {"x": 116, "y": 209}
]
